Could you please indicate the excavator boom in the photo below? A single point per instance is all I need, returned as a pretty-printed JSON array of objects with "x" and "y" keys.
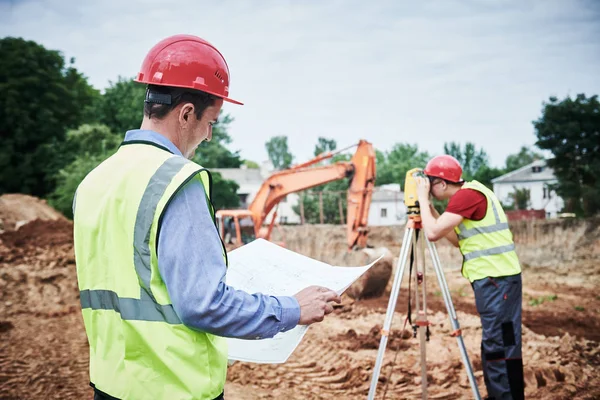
[{"x": 360, "y": 169}]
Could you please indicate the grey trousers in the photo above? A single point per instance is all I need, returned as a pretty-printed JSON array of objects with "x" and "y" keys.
[{"x": 498, "y": 303}]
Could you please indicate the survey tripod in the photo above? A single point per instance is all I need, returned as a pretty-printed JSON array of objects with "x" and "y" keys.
[{"x": 414, "y": 247}]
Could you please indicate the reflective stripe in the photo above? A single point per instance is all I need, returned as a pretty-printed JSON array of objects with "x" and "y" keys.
[
  {"x": 498, "y": 226},
  {"x": 464, "y": 234},
  {"x": 145, "y": 308},
  {"x": 495, "y": 211},
  {"x": 145, "y": 216},
  {"x": 489, "y": 252},
  {"x": 130, "y": 309}
]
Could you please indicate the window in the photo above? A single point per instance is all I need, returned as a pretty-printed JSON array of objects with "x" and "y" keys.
[
  {"x": 383, "y": 212},
  {"x": 545, "y": 192},
  {"x": 536, "y": 168},
  {"x": 283, "y": 220}
]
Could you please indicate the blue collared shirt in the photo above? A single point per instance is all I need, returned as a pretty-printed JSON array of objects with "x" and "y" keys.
[{"x": 190, "y": 260}]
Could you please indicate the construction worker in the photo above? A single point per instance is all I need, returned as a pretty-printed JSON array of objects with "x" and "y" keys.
[
  {"x": 150, "y": 263},
  {"x": 474, "y": 221}
]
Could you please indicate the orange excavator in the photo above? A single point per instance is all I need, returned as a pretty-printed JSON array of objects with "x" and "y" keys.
[{"x": 239, "y": 227}]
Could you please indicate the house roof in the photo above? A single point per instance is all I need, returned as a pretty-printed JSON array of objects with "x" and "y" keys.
[{"x": 526, "y": 174}]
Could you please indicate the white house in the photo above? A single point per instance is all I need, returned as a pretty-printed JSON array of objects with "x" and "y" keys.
[
  {"x": 250, "y": 181},
  {"x": 387, "y": 206},
  {"x": 537, "y": 177}
]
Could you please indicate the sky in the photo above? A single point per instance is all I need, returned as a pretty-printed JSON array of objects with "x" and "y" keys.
[{"x": 388, "y": 71}]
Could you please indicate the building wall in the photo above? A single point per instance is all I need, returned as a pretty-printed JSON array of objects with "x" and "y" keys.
[
  {"x": 540, "y": 197},
  {"x": 394, "y": 214},
  {"x": 285, "y": 212}
]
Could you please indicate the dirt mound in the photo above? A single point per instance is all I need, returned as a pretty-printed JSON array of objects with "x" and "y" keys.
[
  {"x": 37, "y": 269},
  {"x": 17, "y": 209},
  {"x": 40, "y": 233},
  {"x": 374, "y": 282}
]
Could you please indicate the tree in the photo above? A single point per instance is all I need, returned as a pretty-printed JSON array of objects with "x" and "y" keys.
[
  {"x": 521, "y": 198},
  {"x": 88, "y": 146},
  {"x": 471, "y": 159},
  {"x": 251, "y": 164},
  {"x": 41, "y": 98},
  {"x": 323, "y": 145},
  {"x": 122, "y": 105},
  {"x": 393, "y": 166},
  {"x": 224, "y": 194},
  {"x": 485, "y": 174},
  {"x": 332, "y": 193},
  {"x": 280, "y": 156},
  {"x": 570, "y": 129},
  {"x": 215, "y": 154},
  {"x": 524, "y": 157}
]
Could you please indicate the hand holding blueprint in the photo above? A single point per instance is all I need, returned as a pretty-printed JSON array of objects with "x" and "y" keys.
[{"x": 267, "y": 268}]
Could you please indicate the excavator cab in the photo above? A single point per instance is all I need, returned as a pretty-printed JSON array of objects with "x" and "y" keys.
[{"x": 236, "y": 227}]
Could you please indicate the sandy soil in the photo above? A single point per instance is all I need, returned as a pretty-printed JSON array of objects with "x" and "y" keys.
[{"x": 43, "y": 347}]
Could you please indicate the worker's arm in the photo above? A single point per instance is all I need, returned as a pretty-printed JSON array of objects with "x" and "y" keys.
[
  {"x": 191, "y": 264},
  {"x": 436, "y": 227},
  {"x": 451, "y": 236}
]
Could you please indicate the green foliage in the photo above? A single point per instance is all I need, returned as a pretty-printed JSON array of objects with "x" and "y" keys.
[
  {"x": 524, "y": 157},
  {"x": 251, "y": 164},
  {"x": 86, "y": 147},
  {"x": 215, "y": 154},
  {"x": 224, "y": 192},
  {"x": 333, "y": 192},
  {"x": 475, "y": 163},
  {"x": 91, "y": 139},
  {"x": 541, "y": 300},
  {"x": 122, "y": 105},
  {"x": 69, "y": 178},
  {"x": 279, "y": 154},
  {"x": 392, "y": 166},
  {"x": 521, "y": 198},
  {"x": 323, "y": 145},
  {"x": 41, "y": 98},
  {"x": 570, "y": 129},
  {"x": 470, "y": 158},
  {"x": 579, "y": 308}
]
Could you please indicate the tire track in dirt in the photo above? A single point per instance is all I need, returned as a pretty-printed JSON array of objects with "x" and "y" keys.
[{"x": 315, "y": 370}]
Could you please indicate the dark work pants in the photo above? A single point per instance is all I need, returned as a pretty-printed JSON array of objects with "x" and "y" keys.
[{"x": 498, "y": 303}]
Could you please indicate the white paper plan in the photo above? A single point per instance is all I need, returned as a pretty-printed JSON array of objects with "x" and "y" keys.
[{"x": 264, "y": 267}]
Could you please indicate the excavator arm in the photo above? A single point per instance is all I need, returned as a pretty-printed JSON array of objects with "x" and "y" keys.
[{"x": 360, "y": 169}]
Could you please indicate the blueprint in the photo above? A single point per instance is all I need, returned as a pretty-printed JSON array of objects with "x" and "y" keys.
[{"x": 264, "y": 267}]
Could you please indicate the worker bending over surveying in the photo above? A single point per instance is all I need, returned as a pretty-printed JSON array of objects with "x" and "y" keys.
[
  {"x": 150, "y": 263},
  {"x": 475, "y": 222}
]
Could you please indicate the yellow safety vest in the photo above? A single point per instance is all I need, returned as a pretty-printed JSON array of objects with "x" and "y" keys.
[
  {"x": 487, "y": 245},
  {"x": 139, "y": 348}
]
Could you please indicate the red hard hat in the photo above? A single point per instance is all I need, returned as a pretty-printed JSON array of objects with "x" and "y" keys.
[
  {"x": 445, "y": 167},
  {"x": 186, "y": 61}
]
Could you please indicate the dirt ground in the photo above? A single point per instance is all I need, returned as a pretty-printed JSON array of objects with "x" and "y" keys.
[{"x": 44, "y": 354}]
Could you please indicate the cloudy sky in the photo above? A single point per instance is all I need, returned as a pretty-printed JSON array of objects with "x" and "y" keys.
[{"x": 388, "y": 71}]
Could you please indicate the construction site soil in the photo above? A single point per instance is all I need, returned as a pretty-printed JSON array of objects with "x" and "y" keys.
[{"x": 44, "y": 353}]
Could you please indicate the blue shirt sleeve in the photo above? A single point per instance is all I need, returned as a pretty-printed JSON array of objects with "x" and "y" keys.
[{"x": 190, "y": 260}]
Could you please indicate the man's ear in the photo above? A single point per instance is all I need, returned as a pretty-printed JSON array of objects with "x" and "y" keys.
[{"x": 185, "y": 113}]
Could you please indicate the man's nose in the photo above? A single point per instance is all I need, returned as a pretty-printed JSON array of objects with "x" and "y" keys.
[{"x": 209, "y": 136}]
